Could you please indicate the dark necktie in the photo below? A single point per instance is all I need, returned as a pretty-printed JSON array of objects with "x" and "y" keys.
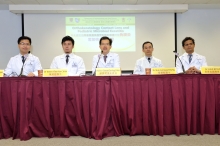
[
  {"x": 105, "y": 58},
  {"x": 190, "y": 58},
  {"x": 148, "y": 60},
  {"x": 23, "y": 60},
  {"x": 67, "y": 59}
]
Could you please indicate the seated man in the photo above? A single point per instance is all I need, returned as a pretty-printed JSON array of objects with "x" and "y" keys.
[
  {"x": 106, "y": 59},
  {"x": 68, "y": 60},
  {"x": 148, "y": 61},
  {"x": 23, "y": 64},
  {"x": 191, "y": 60}
]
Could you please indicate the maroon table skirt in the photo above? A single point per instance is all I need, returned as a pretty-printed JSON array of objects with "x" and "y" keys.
[{"x": 98, "y": 107}]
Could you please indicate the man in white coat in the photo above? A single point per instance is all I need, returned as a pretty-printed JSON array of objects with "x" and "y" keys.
[
  {"x": 191, "y": 60},
  {"x": 23, "y": 64},
  {"x": 68, "y": 60},
  {"x": 148, "y": 61},
  {"x": 106, "y": 59}
]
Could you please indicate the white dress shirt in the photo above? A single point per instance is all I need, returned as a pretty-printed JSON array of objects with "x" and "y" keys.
[
  {"x": 112, "y": 61},
  {"x": 75, "y": 65},
  {"x": 31, "y": 64},
  {"x": 197, "y": 61},
  {"x": 143, "y": 63}
]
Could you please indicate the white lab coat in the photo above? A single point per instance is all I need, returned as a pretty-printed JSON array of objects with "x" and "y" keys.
[
  {"x": 32, "y": 64},
  {"x": 143, "y": 63},
  {"x": 197, "y": 61},
  {"x": 112, "y": 61},
  {"x": 75, "y": 65}
]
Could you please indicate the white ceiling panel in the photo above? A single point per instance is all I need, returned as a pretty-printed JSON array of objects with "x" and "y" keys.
[
  {"x": 100, "y": 2},
  {"x": 197, "y": 1},
  {"x": 149, "y": 2},
  {"x": 52, "y": 2},
  {"x": 214, "y": 2},
  {"x": 5, "y": 2},
  {"x": 26, "y": 2},
  {"x": 75, "y": 2},
  {"x": 124, "y": 2},
  {"x": 173, "y": 1}
]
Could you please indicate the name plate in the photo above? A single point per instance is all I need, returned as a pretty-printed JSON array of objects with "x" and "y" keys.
[
  {"x": 55, "y": 73},
  {"x": 210, "y": 70},
  {"x": 162, "y": 71},
  {"x": 108, "y": 72},
  {"x": 1, "y": 73}
]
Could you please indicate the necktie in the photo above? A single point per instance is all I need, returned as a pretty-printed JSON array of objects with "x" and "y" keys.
[
  {"x": 105, "y": 58},
  {"x": 190, "y": 58},
  {"x": 23, "y": 60},
  {"x": 148, "y": 60},
  {"x": 67, "y": 59}
]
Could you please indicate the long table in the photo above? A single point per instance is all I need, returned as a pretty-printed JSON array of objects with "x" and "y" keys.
[{"x": 99, "y": 107}]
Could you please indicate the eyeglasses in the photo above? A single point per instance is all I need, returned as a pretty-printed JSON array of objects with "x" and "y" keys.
[{"x": 23, "y": 44}]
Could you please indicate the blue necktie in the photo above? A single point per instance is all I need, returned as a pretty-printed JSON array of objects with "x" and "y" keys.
[
  {"x": 190, "y": 58},
  {"x": 23, "y": 60},
  {"x": 67, "y": 59},
  {"x": 105, "y": 58}
]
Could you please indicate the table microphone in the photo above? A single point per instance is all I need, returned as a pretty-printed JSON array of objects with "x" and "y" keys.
[
  {"x": 177, "y": 55},
  {"x": 98, "y": 62}
]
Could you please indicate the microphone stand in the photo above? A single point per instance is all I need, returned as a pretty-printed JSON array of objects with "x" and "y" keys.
[
  {"x": 97, "y": 62},
  {"x": 177, "y": 55}
]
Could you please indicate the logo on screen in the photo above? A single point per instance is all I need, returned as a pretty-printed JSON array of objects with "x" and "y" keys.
[
  {"x": 77, "y": 20},
  {"x": 71, "y": 19}
]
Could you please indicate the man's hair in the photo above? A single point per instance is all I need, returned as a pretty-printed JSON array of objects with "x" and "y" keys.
[
  {"x": 186, "y": 39},
  {"x": 24, "y": 38},
  {"x": 105, "y": 38},
  {"x": 147, "y": 43},
  {"x": 67, "y": 38}
]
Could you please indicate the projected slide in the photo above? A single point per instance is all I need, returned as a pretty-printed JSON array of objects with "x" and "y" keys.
[{"x": 87, "y": 31}]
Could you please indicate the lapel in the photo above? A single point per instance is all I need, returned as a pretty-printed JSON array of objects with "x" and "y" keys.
[
  {"x": 185, "y": 58},
  {"x": 109, "y": 58},
  {"x": 71, "y": 58},
  {"x": 146, "y": 63},
  {"x": 152, "y": 61},
  {"x": 101, "y": 61},
  {"x": 19, "y": 61},
  {"x": 28, "y": 59}
]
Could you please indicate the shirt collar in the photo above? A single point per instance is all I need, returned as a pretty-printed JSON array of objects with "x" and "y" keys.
[
  {"x": 148, "y": 57},
  {"x": 71, "y": 55}
]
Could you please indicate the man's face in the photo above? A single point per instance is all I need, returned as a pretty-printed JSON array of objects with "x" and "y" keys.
[
  {"x": 67, "y": 47},
  {"x": 105, "y": 46},
  {"x": 148, "y": 49},
  {"x": 24, "y": 46},
  {"x": 189, "y": 46}
]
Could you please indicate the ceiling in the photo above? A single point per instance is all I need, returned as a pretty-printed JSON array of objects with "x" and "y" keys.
[{"x": 107, "y": 2}]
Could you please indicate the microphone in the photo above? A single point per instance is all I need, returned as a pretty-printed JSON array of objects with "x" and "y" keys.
[
  {"x": 98, "y": 62},
  {"x": 148, "y": 60},
  {"x": 177, "y": 55},
  {"x": 25, "y": 56}
]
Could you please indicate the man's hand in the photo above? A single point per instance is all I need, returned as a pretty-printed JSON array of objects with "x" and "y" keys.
[
  {"x": 193, "y": 70},
  {"x": 31, "y": 75},
  {"x": 196, "y": 71}
]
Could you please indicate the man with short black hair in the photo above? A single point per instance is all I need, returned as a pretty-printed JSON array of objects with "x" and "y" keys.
[
  {"x": 72, "y": 62},
  {"x": 106, "y": 59},
  {"x": 191, "y": 60},
  {"x": 23, "y": 64},
  {"x": 148, "y": 61}
]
